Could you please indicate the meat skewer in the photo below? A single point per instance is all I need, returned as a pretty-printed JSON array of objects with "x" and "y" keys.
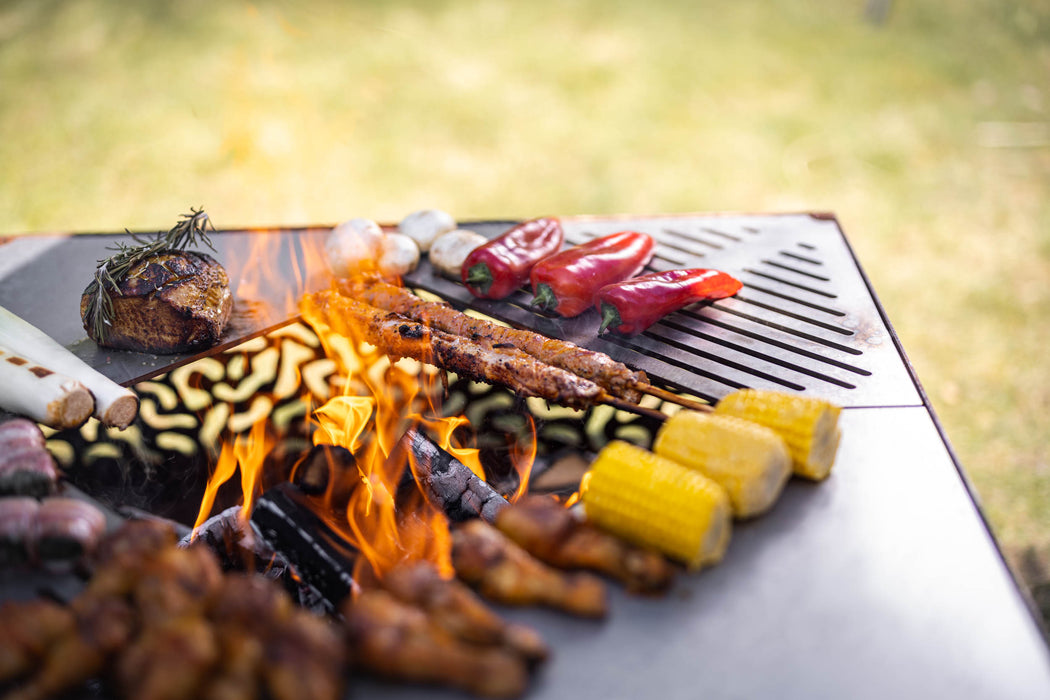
[
  {"x": 615, "y": 377},
  {"x": 401, "y": 337}
]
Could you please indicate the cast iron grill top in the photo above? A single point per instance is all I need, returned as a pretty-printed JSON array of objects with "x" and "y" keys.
[{"x": 805, "y": 320}]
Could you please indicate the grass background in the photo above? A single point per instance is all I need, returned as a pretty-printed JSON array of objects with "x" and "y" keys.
[{"x": 928, "y": 134}]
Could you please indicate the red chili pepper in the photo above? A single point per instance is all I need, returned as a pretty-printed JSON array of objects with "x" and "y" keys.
[
  {"x": 567, "y": 282},
  {"x": 502, "y": 265},
  {"x": 631, "y": 306}
]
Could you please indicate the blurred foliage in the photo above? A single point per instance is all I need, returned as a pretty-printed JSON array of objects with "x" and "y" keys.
[{"x": 928, "y": 134}]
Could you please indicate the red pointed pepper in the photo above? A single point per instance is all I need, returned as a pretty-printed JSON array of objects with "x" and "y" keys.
[
  {"x": 631, "y": 306},
  {"x": 567, "y": 281},
  {"x": 502, "y": 265}
]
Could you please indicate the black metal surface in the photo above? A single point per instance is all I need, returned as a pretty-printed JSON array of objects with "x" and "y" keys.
[
  {"x": 42, "y": 278},
  {"x": 804, "y": 321}
]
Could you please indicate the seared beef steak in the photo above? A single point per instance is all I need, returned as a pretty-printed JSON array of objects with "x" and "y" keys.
[{"x": 171, "y": 302}]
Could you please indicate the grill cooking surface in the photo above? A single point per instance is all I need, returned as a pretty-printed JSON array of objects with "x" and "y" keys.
[
  {"x": 805, "y": 320},
  {"x": 886, "y": 565}
]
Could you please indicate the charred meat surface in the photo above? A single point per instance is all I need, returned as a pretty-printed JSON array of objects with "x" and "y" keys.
[
  {"x": 395, "y": 640},
  {"x": 502, "y": 571},
  {"x": 160, "y": 622},
  {"x": 169, "y": 303},
  {"x": 401, "y": 337},
  {"x": 551, "y": 533},
  {"x": 613, "y": 376},
  {"x": 460, "y": 612}
]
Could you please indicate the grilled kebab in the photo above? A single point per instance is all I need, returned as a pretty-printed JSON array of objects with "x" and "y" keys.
[
  {"x": 615, "y": 377},
  {"x": 401, "y": 337}
]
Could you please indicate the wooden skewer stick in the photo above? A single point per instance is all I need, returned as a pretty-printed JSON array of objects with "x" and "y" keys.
[
  {"x": 665, "y": 395},
  {"x": 625, "y": 405}
]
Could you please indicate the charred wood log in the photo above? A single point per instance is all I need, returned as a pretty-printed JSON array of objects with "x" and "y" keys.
[
  {"x": 447, "y": 483},
  {"x": 285, "y": 521}
]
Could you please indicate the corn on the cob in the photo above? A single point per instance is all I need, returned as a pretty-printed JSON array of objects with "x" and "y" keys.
[
  {"x": 808, "y": 425},
  {"x": 656, "y": 502},
  {"x": 750, "y": 461}
]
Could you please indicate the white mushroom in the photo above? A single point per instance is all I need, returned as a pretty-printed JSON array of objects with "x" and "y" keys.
[
  {"x": 450, "y": 250},
  {"x": 425, "y": 225},
  {"x": 353, "y": 246},
  {"x": 398, "y": 255}
]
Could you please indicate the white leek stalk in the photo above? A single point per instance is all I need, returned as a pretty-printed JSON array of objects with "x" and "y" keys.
[
  {"x": 38, "y": 393},
  {"x": 114, "y": 405}
]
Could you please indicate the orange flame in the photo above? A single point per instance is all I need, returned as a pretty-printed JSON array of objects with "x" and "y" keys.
[
  {"x": 523, "y": 458},
  {"x": 247, "y": 453},
  {"x": 379, "y": 401}
]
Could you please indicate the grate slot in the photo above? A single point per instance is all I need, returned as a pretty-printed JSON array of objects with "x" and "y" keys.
[
  {"x": 647, "y": 350},
  {"x": 797, "y": 317},
  {"x": 801, "y": 258},
  {"x": 786, "y": 329},
  {"x": 788, "y": 268},
  {"x": 723, "y": 234},
  {"x": 724, "y": 361},
  {"x": 810, "y": 304},
  {"x": 771, "y": 359},
  {"x": 775, "y": 343},
  {"x": 796, "y": 285}
]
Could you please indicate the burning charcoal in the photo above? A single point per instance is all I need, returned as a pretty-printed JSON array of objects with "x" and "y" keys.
[
  {"x": 287, "y": 524},
  {"x": 27, "y": 631},
  {"x": 549, "y": 532},
  {"x": 448, "y": 483},
  {"x": 66, "y": 529},
  {"x": 17, "y": 519},
  {"x": 460, "y": 612},
  {"x": 232, "y": 541},
  {"x": 312, "y": 471},
  {"x": 398, "y": 641},
  {"x": 504, "y": 572},
  {"x": 26, "y": 467}
]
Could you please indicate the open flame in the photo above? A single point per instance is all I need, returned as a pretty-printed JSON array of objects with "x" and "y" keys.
[{"x": 378, "y": 401}]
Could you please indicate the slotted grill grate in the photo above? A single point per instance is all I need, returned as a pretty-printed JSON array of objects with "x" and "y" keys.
[{"x": 805, "y": 320}]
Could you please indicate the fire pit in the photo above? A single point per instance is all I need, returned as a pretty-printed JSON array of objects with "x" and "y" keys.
[{"x": 887, "y": 566}]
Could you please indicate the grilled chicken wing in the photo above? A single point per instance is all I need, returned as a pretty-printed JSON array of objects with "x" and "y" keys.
[
  {"x": 549, "y": 532},
  {"x": 504, "y": 572}
]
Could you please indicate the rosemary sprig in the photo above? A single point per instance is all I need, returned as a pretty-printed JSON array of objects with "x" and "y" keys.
[{"x": 189, "y": 231}]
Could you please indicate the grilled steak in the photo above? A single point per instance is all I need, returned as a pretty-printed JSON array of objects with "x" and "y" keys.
[{"x": 169, "y": 303}]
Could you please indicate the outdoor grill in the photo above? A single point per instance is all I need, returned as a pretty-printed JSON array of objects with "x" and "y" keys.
[{"x": 883, "y": 581}]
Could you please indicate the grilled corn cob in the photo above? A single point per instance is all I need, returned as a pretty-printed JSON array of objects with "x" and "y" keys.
[
  {"x": 750, "y": 461},
  {"x": 656, "y": 502},
  {"x": 808, "y": 425}
]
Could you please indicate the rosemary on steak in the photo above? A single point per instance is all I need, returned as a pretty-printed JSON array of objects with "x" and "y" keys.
[{"x": 189, "y": 231}]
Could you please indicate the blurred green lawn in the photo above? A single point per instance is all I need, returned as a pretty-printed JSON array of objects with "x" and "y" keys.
[{"x": 928, "y": 135}]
